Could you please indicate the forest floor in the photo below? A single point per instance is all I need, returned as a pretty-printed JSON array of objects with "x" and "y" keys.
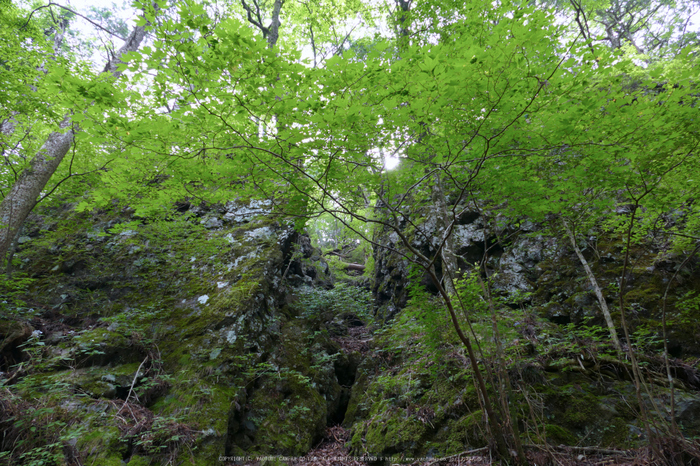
[{"x": 332, "y": 451}]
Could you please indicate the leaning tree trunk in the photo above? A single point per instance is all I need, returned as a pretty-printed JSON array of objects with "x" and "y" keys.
[
  {"x": 23, "y": 195},
  {"x": 20, "y": 201},
  {"x": 444, "y": 226},
  {"x": 596, "y": 288}
]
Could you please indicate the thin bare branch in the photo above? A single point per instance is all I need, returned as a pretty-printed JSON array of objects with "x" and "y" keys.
[{"x": 98, "y": 26}]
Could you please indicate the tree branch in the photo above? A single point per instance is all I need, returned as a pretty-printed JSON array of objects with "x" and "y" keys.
[{"x": 50, "y": 4}]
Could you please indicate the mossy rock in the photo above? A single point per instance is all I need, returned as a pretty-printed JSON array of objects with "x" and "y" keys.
[
  {"x": 284, "y": 417},
  {"x": 203, "y": 407},
  {"x": 591, "y": 413},
  {"x": 206, "y": 453},
  {"x": 101, "y": 381},
  {"x": 451, "y": 399},
  {"x": 365, "y": 391},
  {"x": 558, "y": 435},
  {"x": 103, "y": 444},
  {"x": 50, "y": 387},
  {"x": 647, "y": 293},
  {"x": 313, "y": 356},
  {"x": 101, "y": 346},
  {"x": 394, "y": 431},
  {"x": 356, "y": 408},
  {"x": 457, "y": 435},
  {"x": 581, "y": 410},
  {"x": 617, "y": 434},
  {"x": 137, "y": 460}
]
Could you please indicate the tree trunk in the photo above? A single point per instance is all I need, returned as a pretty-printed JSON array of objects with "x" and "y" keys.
[
  {"x": 596, "y": 288},
  {"x": 274, "y": 29},
  {"x": 402, "y": 33},
  {"x": 23, "y": 195},
  {"x": 444, "y": 226},
  {"x": 351, "y": 266},
  {"x": 255, "y": 17},
  {"x": 493, "y": 418},
  {"x": 20, "y": 201}
]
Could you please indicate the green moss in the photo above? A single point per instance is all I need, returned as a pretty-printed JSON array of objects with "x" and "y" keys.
[
  {"x": 451, "y": 398},
  {"x": 234, "y": 299},
  {"x": 287, "y": 419},
  {"x": 196, "y": 402},
  {"x": 357, "y": 440},
  {"x": 50, "y": 387},
  {"x": 396, "y": 431},
  {"x": 202, "y": 406},
  {"x": 140, "y": 461},
  {"x": 357, "y": 396},
  {"x": 558, "y": 435},
  {"x": 206, "y": 453},
  {"x": 580, "y": 410},
  {"x": 102, "y": 346},
  {"x": 616, "y": 433},
  {"x": 110, "y": 461},
  {"x": 645, "y": 294},
  {"x": 99, "y": 381},
  {"x": 456, "y": 435},
  {"x": 104, "y": 441}
]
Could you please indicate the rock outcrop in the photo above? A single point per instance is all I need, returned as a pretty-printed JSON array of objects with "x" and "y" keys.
[
  {"x": 159, "y": 338},
  {"x": 222, "y": 332}
]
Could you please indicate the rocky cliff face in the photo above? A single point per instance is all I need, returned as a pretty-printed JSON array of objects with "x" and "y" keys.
[
  {"x": 220, "y": 331},
  {"x": 532, "y": 265},
  {"x": 177, "y": 339},
  {"x": 564, "y": 376}
]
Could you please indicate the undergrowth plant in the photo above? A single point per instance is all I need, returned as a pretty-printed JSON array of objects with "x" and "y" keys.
[
  {"x": 343, "y": 299},
  {"x": 12, "y": 290},
  {"x": 135, "y": 321},
  {"x": 38, "y": 432}
]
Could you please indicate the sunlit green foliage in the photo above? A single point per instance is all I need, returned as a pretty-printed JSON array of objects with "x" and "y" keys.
[{"x": 489, "y": 103}]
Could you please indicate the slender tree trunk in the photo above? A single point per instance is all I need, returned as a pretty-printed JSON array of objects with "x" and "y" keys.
[
  {"x": 502, "y": 381},
  {"x": 492, "y": 417},
  {"x": 596, "y": 288},
  {"x": 444, "y": 231},
  {"x": 653, "y": 436},
  {"x": 23, "y": 195}
]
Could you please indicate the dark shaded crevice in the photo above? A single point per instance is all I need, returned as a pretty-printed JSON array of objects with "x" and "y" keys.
[
  {"x": 336, "y": 418},
  {"x": 130, "y": 450},
  {"x": 346, "y": 374},
  {"x": 13, "y": 335},
  {"x": 240, "y": 430},
  {"x": 560, "y": 319},
  {"x": 121, "y": 392},
  {"x": 467, "y": 217}
]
